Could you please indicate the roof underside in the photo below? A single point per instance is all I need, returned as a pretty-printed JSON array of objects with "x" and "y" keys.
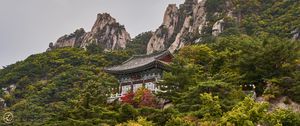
[{"x": 137, "y": 63}]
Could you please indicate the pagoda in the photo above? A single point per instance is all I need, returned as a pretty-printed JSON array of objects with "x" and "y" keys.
[{"x": 141, "y": 70}]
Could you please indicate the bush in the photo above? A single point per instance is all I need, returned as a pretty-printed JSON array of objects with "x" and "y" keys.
[{"x": 177, "y": 121}]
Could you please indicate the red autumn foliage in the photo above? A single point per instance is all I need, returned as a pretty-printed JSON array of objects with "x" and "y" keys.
[
  {"x": 141, "y": 98},
  {"x": 147, "y": 99},
  {"x": 128, "y": 98}
]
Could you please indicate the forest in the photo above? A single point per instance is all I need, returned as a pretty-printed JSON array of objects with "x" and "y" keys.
[
  {"x": 216, "y": 82},
  {"x": 205, "y": 84}
]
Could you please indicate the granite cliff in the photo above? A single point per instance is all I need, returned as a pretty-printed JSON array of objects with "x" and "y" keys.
[
  {"x": 183, "y": 25},
  {"x": 106, "y": 32},
  {"x": 200, "y": 21},
  {"x": 194, "y": 21}
]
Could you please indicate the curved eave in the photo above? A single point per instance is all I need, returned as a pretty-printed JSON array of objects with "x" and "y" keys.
[{"x": 155, "y": 64}]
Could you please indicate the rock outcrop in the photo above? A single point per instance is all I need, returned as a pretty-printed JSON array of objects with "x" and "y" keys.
[
  {"x": 181, "y": 25},
  {"x": 72, "y": 40},
  {"x": 296, "y": 34},
  {"x": 163, "y": 34},
  {"x": 178, "y": 25},
  {"x": 180, "y": 41},
  {"x": 106, "y": 32},
  {"x": 199, "y": 16},
  {"x": 192, "y": 20},
  {"x": 218, "y": 27}
]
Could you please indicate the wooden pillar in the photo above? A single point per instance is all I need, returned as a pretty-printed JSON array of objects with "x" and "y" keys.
[
  {"x": 131, "y": 86},
  {"x": 143, "y": 84},
  {"x": 120, "y": 87}
]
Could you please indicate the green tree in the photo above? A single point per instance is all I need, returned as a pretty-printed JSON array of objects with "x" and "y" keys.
[
  {"x": 177, "y": 121},
  {"x": 128, "y": 112},
  {"x": 210, "y": 108},
  {"x": 140, "y": 122},
  {"x": 282, "y": 117},
  {"x": 245, "y": 113},
  {"x": 138, "y": 45}
]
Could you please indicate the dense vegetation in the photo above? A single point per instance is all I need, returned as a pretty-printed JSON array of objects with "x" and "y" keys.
[
  {"x": 254, "y": 17},
  {"x": 63, "y": 84},
  {"x": 68, "y": 87},
  {"x": 206, "y": 80},
  {"x": 209, "y": 83},
  {"x": 138, "y": 45}
]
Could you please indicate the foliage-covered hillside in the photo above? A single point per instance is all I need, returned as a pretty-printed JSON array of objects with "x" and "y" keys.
[
  {"x": 214, "y": 82},
  {"x": 68, "y": 87},
  {"x": 138, "y": 45},
  {"x": 254, "y": 17},
  {"x": 53, "y": 84}
]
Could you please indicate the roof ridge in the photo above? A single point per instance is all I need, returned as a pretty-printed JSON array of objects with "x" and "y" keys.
[
  {"x": 145, "y": 55},
  {"x": 152, "y": 54},
  {"x": 164, "y": 53},
  {"x": 139, "y": 61}
]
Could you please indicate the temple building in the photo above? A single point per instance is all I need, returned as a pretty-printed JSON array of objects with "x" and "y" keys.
[{"x": 141, "y": 70}]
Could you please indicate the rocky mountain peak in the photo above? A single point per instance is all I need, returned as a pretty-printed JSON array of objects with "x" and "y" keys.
[
  {"x": 189, "y": 2},
  {"x": 103, "y": 20},
  {"x": 72, "y": 40},
  {"x": 178, "y": 23},
  {"x": 170, "y": 14},
  {"x": 165, "y": 32},
  {"x": 182, "y": 25},
  {"x": 106, "y": 32}
]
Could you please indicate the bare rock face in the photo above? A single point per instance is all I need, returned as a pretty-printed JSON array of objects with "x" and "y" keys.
[
  {"x": 179, "y": 41},
  {"x": 296, "y": 34},
  {"x": 218, "y": 27},
  {"x": 199, "y": 16},
  {"x": 165, "y": 31},
  {"x": 190, "y": 22},
  {"x": 72, "y": 40},
  {"x": 106, "y": 32},
  {"x": 179, "y": 23}
]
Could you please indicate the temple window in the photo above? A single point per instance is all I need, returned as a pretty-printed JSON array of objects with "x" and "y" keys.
[
  {"x": 126, "y": 89},
  {"x": 150, "y": 86},
  {"x": 137, "y": 86}
]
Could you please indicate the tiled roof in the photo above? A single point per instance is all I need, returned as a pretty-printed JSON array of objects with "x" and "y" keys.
[{"x": 136, "y": 62}]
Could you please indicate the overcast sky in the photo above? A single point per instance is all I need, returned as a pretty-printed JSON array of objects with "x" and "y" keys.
[{"x": 28, "y": 26}]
